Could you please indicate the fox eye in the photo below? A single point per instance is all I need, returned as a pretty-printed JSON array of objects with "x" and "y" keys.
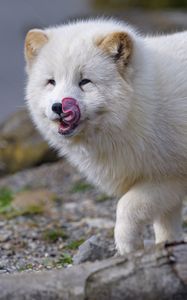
[
  {"x": 51, "y": 81},
  {"x": 84, "y": 82}
]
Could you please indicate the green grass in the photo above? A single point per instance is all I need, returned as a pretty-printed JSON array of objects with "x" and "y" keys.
[
  {"x": 102, "y": 197},
  {"x": 53, "y": 235},
  {"x": 28, "y": 211},
  {"x": 25, "y": 267},
  {"x": 74, "y": 244},
  {"x": 6, "y": 197},
  {"x": 49, "y": 263},
  {"x": 81, "y": 186},
  {"x": 32, "y": 210},
  {"x": 65, "y": 259}
]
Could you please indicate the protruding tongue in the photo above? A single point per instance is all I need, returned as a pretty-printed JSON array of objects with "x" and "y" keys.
[
  {"x": 71, "y": 115},
  {"x": 71, "y": 110}
]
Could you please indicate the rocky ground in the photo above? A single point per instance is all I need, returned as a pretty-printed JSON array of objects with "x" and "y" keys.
[{"x": 47, "y": 212}]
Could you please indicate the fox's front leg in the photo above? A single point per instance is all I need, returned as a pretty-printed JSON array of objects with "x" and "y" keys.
[
  {"x": 146, "y": 203},
  {"x": 129, "y": 227}
]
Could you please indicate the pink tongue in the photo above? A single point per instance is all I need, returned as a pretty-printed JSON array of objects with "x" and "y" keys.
[{"x": 71, "y": 110}]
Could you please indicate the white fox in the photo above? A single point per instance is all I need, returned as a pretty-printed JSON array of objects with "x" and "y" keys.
[{"x": 115, "y": 104}]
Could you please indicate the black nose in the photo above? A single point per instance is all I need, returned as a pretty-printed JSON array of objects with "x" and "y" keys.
[{"x": 57, "y": 108}]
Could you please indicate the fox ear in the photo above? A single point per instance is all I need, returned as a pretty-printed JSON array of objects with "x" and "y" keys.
[
  {"x": 34, "y": 41},
  {"x": 118, "y": 45}
]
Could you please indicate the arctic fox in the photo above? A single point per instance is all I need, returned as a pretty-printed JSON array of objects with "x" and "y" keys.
[{"x": 114, "y": 103}]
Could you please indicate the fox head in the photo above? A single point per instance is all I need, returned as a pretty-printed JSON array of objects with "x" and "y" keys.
[{"x": 79, "y": 79}]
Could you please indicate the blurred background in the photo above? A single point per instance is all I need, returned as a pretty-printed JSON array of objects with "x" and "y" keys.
[{"x": 16, "y": 18}]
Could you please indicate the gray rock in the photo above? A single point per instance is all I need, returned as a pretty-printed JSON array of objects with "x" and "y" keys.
[
  {"x": 5, "y": 236},
  {"x": 154, "y": 275},
  {"x": 21, "y": 146},
  {"x": 49, "y": 285},
  {"x": 142, "y": 275},
  {"x": 95, "y": 248}
]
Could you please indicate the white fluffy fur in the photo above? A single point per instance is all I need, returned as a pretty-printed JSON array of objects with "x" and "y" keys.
[{"x": 132, "y": 140}]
